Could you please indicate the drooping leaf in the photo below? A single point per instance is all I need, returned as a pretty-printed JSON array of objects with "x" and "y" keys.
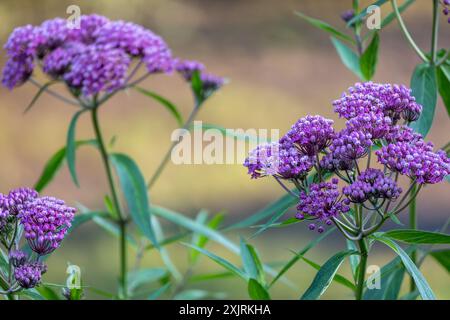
[
  {"x": 54, "y": 164},
  {"x": 325, "y": 275},
  {"x": 300, "y": 254},
  {"x": 421, "y": 284},
  {"x": 325, "y": 27},
  {"x": 256, "y": 291},
  {"x": 348, "y": 57},
  {"x": 443, "y": 80},
  {"x": 135, "y": 192},
  {"x": 424, "y": 89},
  {"x": 222, "y": 262},
  {"x": 369, "y": 59},
  {"x": 71, "y": 147},
  {"x": 443, "y": 258},
  {"x": 164, "y": 102},
  {"x": 418, "y": 236}
]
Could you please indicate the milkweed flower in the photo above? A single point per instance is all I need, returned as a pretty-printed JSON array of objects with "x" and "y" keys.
[
  {"x": 311, "y": 134},
  {"x": 17, "y": 258},
  {"x": 45, "y": 221},
  {"x": 322, "y": 202},
  {"x": 29, "y": 275},
  {"x": 372, "y": 184},
  {"x": 351, "y": 145}
]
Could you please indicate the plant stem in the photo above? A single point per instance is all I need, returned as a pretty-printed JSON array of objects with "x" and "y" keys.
[
  {"x": 413, "y": 225},
  {"x": 166, "y": 158},
  {"x": 435, "y": 32},
  {"x": 406, "y": 32},
  {"x": 361, "y": 268},
  {"x": 121, "y": 220}
]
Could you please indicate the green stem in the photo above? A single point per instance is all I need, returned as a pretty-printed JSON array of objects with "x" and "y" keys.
[
  {"x": 435, "y": 32},
  {"x": 406, "y": 32},
  {"x": 413, "y": 225},
  {"x": 121, "y": 220},
  {"x": 166, "y": 158},
  {"x": 361, "y": 269}
]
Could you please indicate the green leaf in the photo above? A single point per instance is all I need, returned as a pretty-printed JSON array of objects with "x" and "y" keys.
[
  {"x": 110, "y": 207},
  {"x": 282, "y": 204},
  {"x": 443, "y": 80},
  {"x": 141, "y": 277},
  {"x": 269, "y": 223},
  {"x": 201, "y": 240},
  {"x": 418, "y": 236},
  {"x": 424, "y": 89},
  {"x": 48, "y": 293},
  {"x": 300, "y": 254},
  {"x": 164, "y": 102},
  {"x": 325, "y": 275},
  {"x": 222, "y": 262},
  {"x": 348, "y": 57},
  {"x": 359, "y": 17},
  {"x": 38, "y": 94},
  {"x": 325, "y": 27},
  {"x": 71, "y": 146},
  {"x": 421, "y": 283},
  {"x": 252, "y": 264},
  {"x": 197, "y": 88},
  {"x": 210, "y": 276},
  {"x": 82, "y": 218},
  {"x": 394, "y": 284},
  {"x": 157, "y": 293},
  {"x": 443, "y": 257},
  {"x": 54, "y": 164},
  {"x": 135, "y": 192},
  {"x": 256, "y": 291},
  {"x": 369, "y": 59},
  {"x": 337, "y": 277}
]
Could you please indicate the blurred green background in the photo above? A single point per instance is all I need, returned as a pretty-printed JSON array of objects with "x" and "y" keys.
[{"x": 280, "y": 69}]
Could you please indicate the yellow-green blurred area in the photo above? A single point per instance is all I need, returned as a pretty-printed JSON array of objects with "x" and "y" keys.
[{"x": 279, "y": 69}]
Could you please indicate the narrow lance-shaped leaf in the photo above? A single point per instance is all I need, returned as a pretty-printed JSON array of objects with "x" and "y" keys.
[
  {"x": 369, "y": 59},
  {"x": 222, "y": 262},
  {"x": 71, "y": 147},
  {"x": 424, "y": 89},
  {"x": 418, "y": 236},
  {"x": 135, "y": 192},
  {"x": 348, "y": 57},
  {"x": 201, "y": 240},
  {"x": 325, "y": 27},
  {"x": 325, "y": 275},
  {"x": 164, "y": 102},
  {"x": 54, "y": 164},
  {"x": 422, "y": 285}
]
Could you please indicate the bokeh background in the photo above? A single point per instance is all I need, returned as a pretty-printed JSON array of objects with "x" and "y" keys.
[{"x": 280, "y": 69}]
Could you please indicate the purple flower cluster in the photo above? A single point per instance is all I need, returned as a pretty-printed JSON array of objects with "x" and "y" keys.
[
  {"x": 323, "y": 202},
  {"x": 277, "y": 159},
  {"x": 446, "y": 10},
  {"x": 311, "y": 134},
  {"x": 416, "y": 160},
  {"x": 372, "y": 112},
  {"x": 91, "y": 59},
  {"x": 186, "y": 69},
  {"x": 45, "y": 221},
  {"x": 29, "y": 275},
  {"x": 372, "y": 184},
  {"x": 394, "y": 101}
]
